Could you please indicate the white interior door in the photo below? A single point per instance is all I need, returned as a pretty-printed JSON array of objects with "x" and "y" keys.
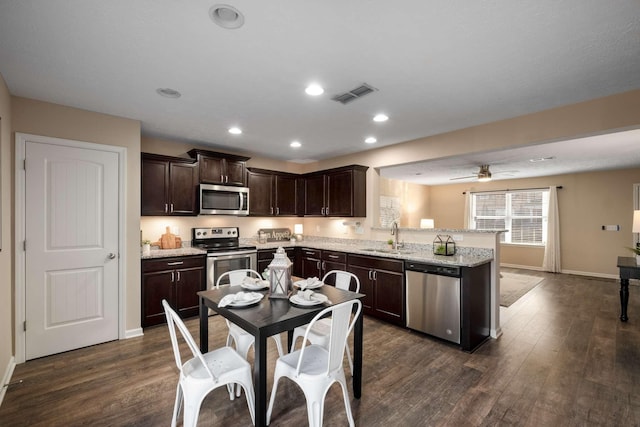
[{"x": 71, "y": 256}]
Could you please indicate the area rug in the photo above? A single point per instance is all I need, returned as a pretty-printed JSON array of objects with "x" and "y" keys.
[{"x": 513, "y": 286}]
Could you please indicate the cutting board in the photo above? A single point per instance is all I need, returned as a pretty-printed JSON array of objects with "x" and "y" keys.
[{"x": 169, "y": 240}]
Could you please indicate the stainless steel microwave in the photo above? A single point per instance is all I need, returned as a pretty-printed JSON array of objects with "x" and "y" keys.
[{"x": 223, "y": 200}]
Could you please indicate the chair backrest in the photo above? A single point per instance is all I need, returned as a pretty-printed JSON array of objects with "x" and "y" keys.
[
  {"x": 341, "y": 325},
  {"x": 343, "y": 280},
  {"x": 235, "y": 277},
  {"x": 173, "y": 321}
]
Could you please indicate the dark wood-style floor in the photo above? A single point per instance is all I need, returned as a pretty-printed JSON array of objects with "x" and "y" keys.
[{"x": 564, "y": 359}]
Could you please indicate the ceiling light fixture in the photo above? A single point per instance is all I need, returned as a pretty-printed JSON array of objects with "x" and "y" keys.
[
  {"x": 484, "y": 175},
  {"x": 295, "y": 144},
  {"x": 168, "y": 93},
  {"x": 371, "y": 140},
  {"x": 235, "y": 130},
  {"x": 226, "y": 16},
  {"x": 380, "y": 118},
  {"x": 314, "y": 89}
]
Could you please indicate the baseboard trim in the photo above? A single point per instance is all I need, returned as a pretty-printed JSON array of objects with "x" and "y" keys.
[
  {"x": 6, "y": 378},
  {"x": 574, "y": 272},
  {"x": 133, "y": 333}
]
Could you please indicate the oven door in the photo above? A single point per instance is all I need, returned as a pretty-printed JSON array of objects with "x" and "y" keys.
[{"x": 218, "y": 263}]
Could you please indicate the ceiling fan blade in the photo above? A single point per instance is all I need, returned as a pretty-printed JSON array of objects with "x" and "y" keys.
[{"x": 463, "y": 177}]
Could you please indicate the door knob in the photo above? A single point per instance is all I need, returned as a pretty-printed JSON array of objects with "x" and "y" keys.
[{"x": 112, "y": 255}]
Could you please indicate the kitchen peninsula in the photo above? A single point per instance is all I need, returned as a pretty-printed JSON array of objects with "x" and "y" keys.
[{"x": 371, "y": 259}]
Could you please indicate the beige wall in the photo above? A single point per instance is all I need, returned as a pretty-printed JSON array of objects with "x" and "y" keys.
[
  {"x": 586, "y": 202},
  {"x": 6, "y": 230},
  {"x": 42, "y": 118},
  {"x": 414, "y": 200}
]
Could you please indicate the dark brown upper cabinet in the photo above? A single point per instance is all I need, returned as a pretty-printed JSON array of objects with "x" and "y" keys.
[
  {"x": 339, "y": 192},
  {"x": 220, "y": 168},
  {"x": 169, "y": 185},
  {"x": 272, "y": 193}
]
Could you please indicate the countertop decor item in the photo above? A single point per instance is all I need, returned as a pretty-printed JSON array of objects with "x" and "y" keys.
[
  {"x": 169, "y": 240},
  {"x": 444, "y": 245}
]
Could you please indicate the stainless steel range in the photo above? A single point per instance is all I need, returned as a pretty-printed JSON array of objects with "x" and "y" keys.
[{"x": 224, "y": 252}]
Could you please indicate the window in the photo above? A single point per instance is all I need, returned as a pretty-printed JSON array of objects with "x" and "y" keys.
[{"x": 522, "y": 213}]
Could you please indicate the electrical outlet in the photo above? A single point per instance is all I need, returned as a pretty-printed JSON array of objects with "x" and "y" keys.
[{"x": 611, "y": 227}]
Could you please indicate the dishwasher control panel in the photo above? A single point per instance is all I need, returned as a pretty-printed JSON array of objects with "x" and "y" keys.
[{"x": 442, "y": 270}]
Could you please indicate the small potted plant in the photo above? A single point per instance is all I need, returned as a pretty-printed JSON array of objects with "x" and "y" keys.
[
  {"x": 146, "y": 247},
  {"x": 636, "y": 251},
  {"x": 390, "y": 243}
]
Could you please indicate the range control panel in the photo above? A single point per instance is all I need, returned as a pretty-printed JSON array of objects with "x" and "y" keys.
[{"x": 215, "y": 233}]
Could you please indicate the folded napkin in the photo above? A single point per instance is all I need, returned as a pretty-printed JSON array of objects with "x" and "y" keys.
[
  {"x": 250, "y": 281},
  {"x": 239, "y": 297},
  {"x": 309, "y": 295},
  {"x": 311, "y": 281}
]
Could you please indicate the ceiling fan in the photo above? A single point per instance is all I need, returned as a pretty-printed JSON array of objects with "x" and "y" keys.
[{"x": 483, "y": 175}]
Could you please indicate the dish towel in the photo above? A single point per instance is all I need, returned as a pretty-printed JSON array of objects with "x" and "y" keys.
[
  {"x": 309, "y": 295},
  {"x": 239, "y": 297}
]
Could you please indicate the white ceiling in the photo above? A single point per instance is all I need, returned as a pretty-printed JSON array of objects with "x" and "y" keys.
[{"x": 438, "y": 66}]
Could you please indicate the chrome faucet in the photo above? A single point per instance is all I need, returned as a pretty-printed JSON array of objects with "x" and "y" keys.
[{"x": 394, "y": 232}]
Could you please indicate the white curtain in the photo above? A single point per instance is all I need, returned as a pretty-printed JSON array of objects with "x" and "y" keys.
[
  {"x": 551, "y": 261},
  {"x": 467, "y": 210}
]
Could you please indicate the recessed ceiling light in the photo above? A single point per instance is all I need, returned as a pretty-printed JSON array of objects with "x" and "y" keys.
[
  {"x": 226, "y": 16},
  {"x": 295, "y": 144},
  {"x": 168, "y": 93},
  {"x": 314, "y": 89},
  {"x": 380, "y": 118},
  {"x": 235, "y": 130},
  {"x": 370, "y": 140}
]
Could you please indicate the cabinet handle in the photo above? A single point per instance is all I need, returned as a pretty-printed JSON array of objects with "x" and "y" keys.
[
  {"x": 318, "y": 265},
  {"x": 178, "y": 277},
  {"x": 171, "y": 207},
  {"x": 370, "y": 276},
  {"x": 172, "y": 276},
  {"x": 375, "y": 275},
  {"x": 333, "y": 256},
  {"x": 326, "y": 211},
  {"x": 322, "y": 211},
  {"x": 309, "y": 253},
  {"x": 271, "y": 210},
  {"x": 222, "y": 179},
  {"x": 166, "y": 207},
  {"x": 226, "y": 179},
  {"x": 176, "y": 263},
  {"x": 277, "y": 211},
  {"x": 324, "y": 265}
]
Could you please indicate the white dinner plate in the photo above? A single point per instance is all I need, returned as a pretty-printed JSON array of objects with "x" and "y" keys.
[
  {"x": 245, "y": 303},
  {"x": 301, "y": 301},
  {"x": 262, "y": 284},
  {"x": 301, "y": 283}
]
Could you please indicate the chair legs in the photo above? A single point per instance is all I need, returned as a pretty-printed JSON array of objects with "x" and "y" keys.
[
  {"x": 177, "y": 405},
  {"x": 314, "y": 397}
]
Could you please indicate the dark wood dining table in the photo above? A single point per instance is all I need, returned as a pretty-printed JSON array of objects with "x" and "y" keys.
[{"x": 272, "y": 316}]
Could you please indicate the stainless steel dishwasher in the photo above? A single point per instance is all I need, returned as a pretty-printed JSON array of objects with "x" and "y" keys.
[{"x": 433, "y": 299}]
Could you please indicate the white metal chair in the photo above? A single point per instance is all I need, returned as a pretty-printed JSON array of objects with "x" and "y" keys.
[
  {"x": 319, "y": 334},
  {"x": 243, "y": 340},
  {"x": 315, "y": 368},
  {"x": 205, "y": 372}
]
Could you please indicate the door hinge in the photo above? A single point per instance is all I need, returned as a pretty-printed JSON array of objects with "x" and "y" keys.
[
  {"x": 24, "y": 326},
  {"x": 24, "y": 164},
  {"x": 24, "y": 245}
]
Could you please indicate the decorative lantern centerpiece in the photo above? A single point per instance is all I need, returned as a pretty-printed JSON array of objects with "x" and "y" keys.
[
  {"x": 444, "y": 245},
  {"x": 280, "y": 275}
]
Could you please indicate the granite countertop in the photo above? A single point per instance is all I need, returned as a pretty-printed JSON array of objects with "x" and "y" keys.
[
  {"x": 167, "y": 253},
  {"x": 465, "y": 257}
]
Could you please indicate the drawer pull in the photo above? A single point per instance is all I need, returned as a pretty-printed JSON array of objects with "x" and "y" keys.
[
  {"x": 176, "y": 263},
  {"x": 334, "y": 256}
]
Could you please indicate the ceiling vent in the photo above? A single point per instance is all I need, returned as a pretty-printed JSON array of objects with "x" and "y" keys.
[{"x": 354, "y": 94}]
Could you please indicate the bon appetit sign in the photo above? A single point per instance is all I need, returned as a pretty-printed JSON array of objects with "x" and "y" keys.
[{"x": 275, "y": 234}]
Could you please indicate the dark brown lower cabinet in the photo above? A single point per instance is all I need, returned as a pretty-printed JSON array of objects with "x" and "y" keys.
[
  {"x": 382, "y": 281},
  {"x": 265, "y": 256},
  {"x": 178, "y": 280}
]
